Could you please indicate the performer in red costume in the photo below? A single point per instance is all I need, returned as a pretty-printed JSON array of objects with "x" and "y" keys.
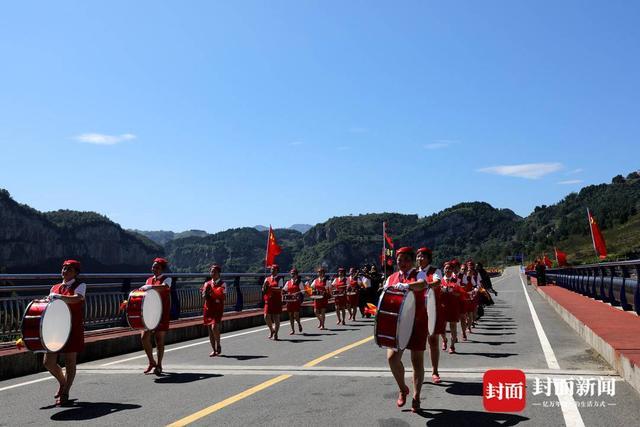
[
  {"x": 406, "y": 280},
  {"x": 320, "y": 287},
  {"x": 272, "y": 291},
  {"x": 353, "y": 289},
  {"x": 339, "y": 290},
  {"x": 214, "y": 292},
  {"x": 72, "y": 292},
  {"x": 294, "y": 287},
  {"x": 452, "y": 299},
  {"x": 432, "y": 277},
  {"x": 163, "y": 285}
]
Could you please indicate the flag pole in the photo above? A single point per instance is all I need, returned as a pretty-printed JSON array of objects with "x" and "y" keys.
[
  {"x": 266, "y": 254},
  {"x": 593, "y": 240},
  {"x": 384, "y": 251}
]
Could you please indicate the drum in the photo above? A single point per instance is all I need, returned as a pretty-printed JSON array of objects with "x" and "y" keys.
[
  {"x": 144, "y": 309},
  {"x": 431, "y": 311},
  {"x": 287, "y": 298},
  {"x": 394, "y": 319},
  {"x": 46, "y": 325},
  {"x": 315, "y": 294},
  {"x": 352, "y": 293},
  {"x": 337, "y": 294}
]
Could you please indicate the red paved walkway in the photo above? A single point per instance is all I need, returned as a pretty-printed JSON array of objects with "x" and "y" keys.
[{"x": 619, "y": 328}]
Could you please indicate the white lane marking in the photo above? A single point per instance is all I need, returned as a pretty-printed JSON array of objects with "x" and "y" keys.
[
  {"x": 9, "y": 387},
  {"x": 203, "y": 342},
  {"x": 142, "y": 356},
  {"x": 570, "y": 411}
]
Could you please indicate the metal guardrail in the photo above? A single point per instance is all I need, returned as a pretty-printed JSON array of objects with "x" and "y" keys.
[
  {"x": 105, "y": 293},
  {"x": 616, "y": 283}
]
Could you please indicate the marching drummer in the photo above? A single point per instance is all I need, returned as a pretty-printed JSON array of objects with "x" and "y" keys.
[
  {"x": 294, "y": 290},
  {"x": 452, "y": 299},
  {"x": 72, "y": 292},
  {"x": 467, "y": 283},
  {"x": 353, "y": 288},
  {"x": 214, "y": 292},
  {"x": 339, "y": 288},
  {"x": 319, "y": 287},
  {"x": 162, "y": 284},
  {"x": 432, "y": 276},
  {"x": 406, "y": 279},
  {"x": 272, "y": 291}
]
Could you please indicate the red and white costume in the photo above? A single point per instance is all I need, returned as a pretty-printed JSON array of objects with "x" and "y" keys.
[
  {"x": 273, "y": 295},
  {"x": 432, "y": 274},
  {"x": 75, "y": 343},
  {"x": 215, "y": 294},
  {"x": 453, "y": 304},
  {"x": 353, "y": 288},
  {"x": 398, "y": 280},
  {"x": 161, "y": 284},
  {"x": 469, "y": 285},
  {"x": 321, "y": 286},
  {"x": 339, "y": 286},
  {"x": 294, "y": 288}
]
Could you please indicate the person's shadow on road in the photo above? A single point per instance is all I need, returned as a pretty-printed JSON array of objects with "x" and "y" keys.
[
  {"x": 447, "y": 417},
  {"x": 81, "y": 411}
]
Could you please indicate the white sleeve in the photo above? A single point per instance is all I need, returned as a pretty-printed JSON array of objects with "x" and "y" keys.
[
  {"x": 168, "y": 281},
  {"x": 437, "y": 275},
  {"x": 81, "y": 289},
  {"x": 422, "y": 276},
  {"x": 224, "y": 288},
  {"x": 280, "y": 283}
]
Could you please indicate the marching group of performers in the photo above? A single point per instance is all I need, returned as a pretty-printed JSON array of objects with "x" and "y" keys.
[{"x": 459, "y": 291}]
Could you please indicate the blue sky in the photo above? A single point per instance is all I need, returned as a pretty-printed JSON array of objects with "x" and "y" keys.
[{"x": 211, "y": 115}]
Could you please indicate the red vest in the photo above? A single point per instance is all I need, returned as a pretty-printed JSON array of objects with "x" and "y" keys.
[
  {"x": 340, "y": 284},
  {"x": 292, "y": 287},
  {"x": 352, "y": 283},
  {"x": 272, "y": 294}
]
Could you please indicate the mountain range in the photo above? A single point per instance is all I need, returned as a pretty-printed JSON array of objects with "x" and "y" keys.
[{"x": 36, "y": 241}]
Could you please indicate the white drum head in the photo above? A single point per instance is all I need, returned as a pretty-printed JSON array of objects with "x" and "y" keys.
[
  {"x": 151, "y": 309},
  {"x": 405, "y": 320},
  {"x": 431, "y": 311},
  {"x": 55, "y": 325}
]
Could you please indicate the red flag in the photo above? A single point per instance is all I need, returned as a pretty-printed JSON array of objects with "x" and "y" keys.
[
  {"x": 387, "y": 253},
  {"x": 596, "y": 236},
  {"x": 273, "y": 249},
  {"x": 561, "y": 257},
  {"x": 547, "y": 261}
]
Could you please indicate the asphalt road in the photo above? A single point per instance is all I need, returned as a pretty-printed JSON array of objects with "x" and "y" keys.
[{"x": 337, "y": 377}]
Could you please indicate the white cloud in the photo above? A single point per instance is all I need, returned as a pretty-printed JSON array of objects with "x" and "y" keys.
[
  {"x": 526, "y": 170},
  {"x": 570, "y": 181},
  {"x": 103, "y": 139},
  {"x": 575, "y": 171},
  {"x": 440, "y": 143}
]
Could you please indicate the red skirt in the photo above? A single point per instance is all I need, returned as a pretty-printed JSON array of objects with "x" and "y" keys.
[
  {"x": 320, "y": 303},
  {"x": 452, "y": 307},
  {"x": 213, "y": 315},
  {"x": 293, "y": 307},
  {"x": 353, "y": 300},
  {"x": 341, "y": 302},
  {"x": 418, "y": 340},
  {"x": 270, "y": 308}
]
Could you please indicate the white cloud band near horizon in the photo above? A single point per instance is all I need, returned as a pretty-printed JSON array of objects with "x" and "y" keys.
[
  {"x": 525, "y": 170},
  {"x": 103, "y": 139},
  {"x": 570, "y": 181}
]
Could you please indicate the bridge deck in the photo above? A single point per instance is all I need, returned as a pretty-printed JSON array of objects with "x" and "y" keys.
[{"x": 336, "y": 377}]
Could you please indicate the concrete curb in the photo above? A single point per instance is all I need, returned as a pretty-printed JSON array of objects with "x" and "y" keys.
[
  {"x": 627, "y": 370},
  {"x": 15, "y": 363}
]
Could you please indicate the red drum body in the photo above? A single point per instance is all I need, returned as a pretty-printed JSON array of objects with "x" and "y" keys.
[
  {"x": 144, "y": 309},
  {"x": 46, "y": 325},
  {"x": 394, "y": 319}
]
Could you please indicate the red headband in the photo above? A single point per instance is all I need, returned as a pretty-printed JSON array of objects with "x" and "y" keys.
[
  {"x": 72, "y": 263},
  {"x": 406, "y": 250},
  {"x": 161, "y": 261},
  {"x": 425, "y": 250}
]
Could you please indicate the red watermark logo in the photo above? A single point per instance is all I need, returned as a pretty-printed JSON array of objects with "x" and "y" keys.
[{"x": 504, "y": 390}]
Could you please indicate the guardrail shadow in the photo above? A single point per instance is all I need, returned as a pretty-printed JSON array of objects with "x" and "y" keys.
[
  {"x": 84, "y": 411},
  {"x": 448, "y": 417}
]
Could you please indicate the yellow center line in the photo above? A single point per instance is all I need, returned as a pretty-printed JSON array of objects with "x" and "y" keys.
[{"x": 255, "y": 389}]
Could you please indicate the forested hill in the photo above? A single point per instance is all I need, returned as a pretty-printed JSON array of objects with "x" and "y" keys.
[
  {"x": 32, "y": 241},
  {"x": 35, "y": 241}
]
